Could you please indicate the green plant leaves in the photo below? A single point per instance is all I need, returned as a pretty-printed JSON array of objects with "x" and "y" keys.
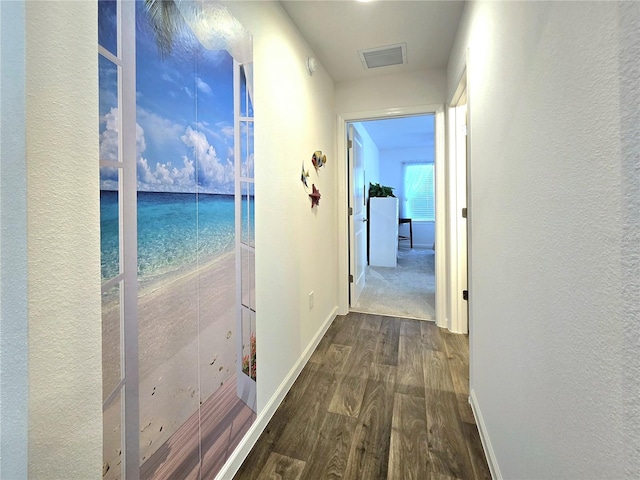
[{"x": 377, "y": 190}]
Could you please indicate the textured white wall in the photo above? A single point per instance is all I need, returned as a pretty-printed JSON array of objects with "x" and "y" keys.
[
  {"x": 13, "y": 246},
  {"x": 391, "y": 91},
  {"x": 65, "y": 388},
  {"x": 555, "y": 183},
  {"x": 295, "y": 245}
]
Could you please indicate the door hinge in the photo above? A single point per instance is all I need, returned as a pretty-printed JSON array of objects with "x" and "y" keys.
[
  {"x": 350, "y": 278},
  {"x": 350, "y": 210},
  {"x": 464, "y": 212},
  {"x": 465, "y": 294},
  {"x": 349, "y": 143}
]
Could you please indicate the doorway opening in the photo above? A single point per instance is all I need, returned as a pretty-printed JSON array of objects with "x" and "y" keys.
[
  {"x": 392, "y": 168},
  {"x": 410, "y": 242}
]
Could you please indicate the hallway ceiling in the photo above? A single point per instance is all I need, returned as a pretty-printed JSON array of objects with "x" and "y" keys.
[{"x": 337, "y": 30}]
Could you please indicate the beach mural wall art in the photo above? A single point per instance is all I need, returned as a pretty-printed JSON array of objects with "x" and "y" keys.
[{"x": 194, "y": 209}]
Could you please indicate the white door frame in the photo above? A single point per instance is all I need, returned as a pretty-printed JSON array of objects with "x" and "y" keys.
[
  {"x": 456, "y": 178},
  {"x": 343, "y": 217}
]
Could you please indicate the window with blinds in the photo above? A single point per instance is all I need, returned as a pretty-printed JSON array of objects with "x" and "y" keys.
[{"x": 419, "y": 194}]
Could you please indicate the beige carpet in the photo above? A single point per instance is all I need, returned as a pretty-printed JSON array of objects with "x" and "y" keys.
[{"x": 407, "y": 290}]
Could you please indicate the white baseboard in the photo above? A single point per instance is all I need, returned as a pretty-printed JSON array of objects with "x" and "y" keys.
[
  {"x": 484, "y": 437},
  {"x": 233, "y": 464},
  {"x": 425, "y": 246}
]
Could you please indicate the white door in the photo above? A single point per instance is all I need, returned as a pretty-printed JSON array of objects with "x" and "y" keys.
[{"x": 357, "y": 217}]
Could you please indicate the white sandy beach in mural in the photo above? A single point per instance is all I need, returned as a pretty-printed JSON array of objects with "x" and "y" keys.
[{"x": 183, "y": 360}]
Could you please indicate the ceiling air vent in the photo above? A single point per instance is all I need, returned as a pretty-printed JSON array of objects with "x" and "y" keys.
[{"x": 384, "y": 56}]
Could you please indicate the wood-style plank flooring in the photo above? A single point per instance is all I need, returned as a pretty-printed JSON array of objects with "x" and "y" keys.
[
  {"x": 380, "y": 398},
  {"x": 215, "y": 431}
]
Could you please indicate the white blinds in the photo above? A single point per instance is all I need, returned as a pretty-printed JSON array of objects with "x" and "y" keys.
[{"x": 419, "y": 191}]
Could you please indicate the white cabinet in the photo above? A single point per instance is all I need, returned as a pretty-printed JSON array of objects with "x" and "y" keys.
[{"x": 383, "y": 231}]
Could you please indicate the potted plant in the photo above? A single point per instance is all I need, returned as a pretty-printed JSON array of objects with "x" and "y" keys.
[{"x": 377, "y": 190}]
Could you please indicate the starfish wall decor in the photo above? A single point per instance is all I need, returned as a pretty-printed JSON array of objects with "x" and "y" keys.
[{"x": 315, "y": 196}]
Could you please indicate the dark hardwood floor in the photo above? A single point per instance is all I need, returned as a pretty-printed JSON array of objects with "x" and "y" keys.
[{"x": 380, "y": 398}]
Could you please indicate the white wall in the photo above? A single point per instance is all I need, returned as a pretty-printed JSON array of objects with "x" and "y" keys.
[
  {"x": 65, "y": 375},
  {"x": 555, "y": 234},
  {"x": 295, "y": 245},
  {"x": 427, "y": 87},
  {"x": 13, "y": 246},
  {"x": 424, "y": 234},
  {"x": 391, "y": 174}
]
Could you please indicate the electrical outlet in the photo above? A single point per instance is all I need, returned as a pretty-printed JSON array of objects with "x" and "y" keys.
[{"x": 310, "y": 299}]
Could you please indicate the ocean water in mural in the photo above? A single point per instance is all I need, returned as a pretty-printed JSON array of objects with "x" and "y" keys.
[{"x": 176, "y": 231}]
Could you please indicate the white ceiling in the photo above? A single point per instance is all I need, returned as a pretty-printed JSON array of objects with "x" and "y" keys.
[{"x": 337, "y": 30}]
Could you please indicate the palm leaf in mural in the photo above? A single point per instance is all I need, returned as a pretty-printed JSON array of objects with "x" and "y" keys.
[{"x": 166, "y": 20}]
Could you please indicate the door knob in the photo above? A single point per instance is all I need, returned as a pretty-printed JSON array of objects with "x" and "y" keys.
[{"x": 365, "y": 220}]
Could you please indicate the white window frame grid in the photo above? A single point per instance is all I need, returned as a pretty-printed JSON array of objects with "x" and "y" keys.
[
  {"x": 128, "y": 387},
  {"x": 245, "y": 274}
]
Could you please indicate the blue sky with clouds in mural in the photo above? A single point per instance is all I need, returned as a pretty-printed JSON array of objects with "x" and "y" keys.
[{"x": 184, "y": 114}]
